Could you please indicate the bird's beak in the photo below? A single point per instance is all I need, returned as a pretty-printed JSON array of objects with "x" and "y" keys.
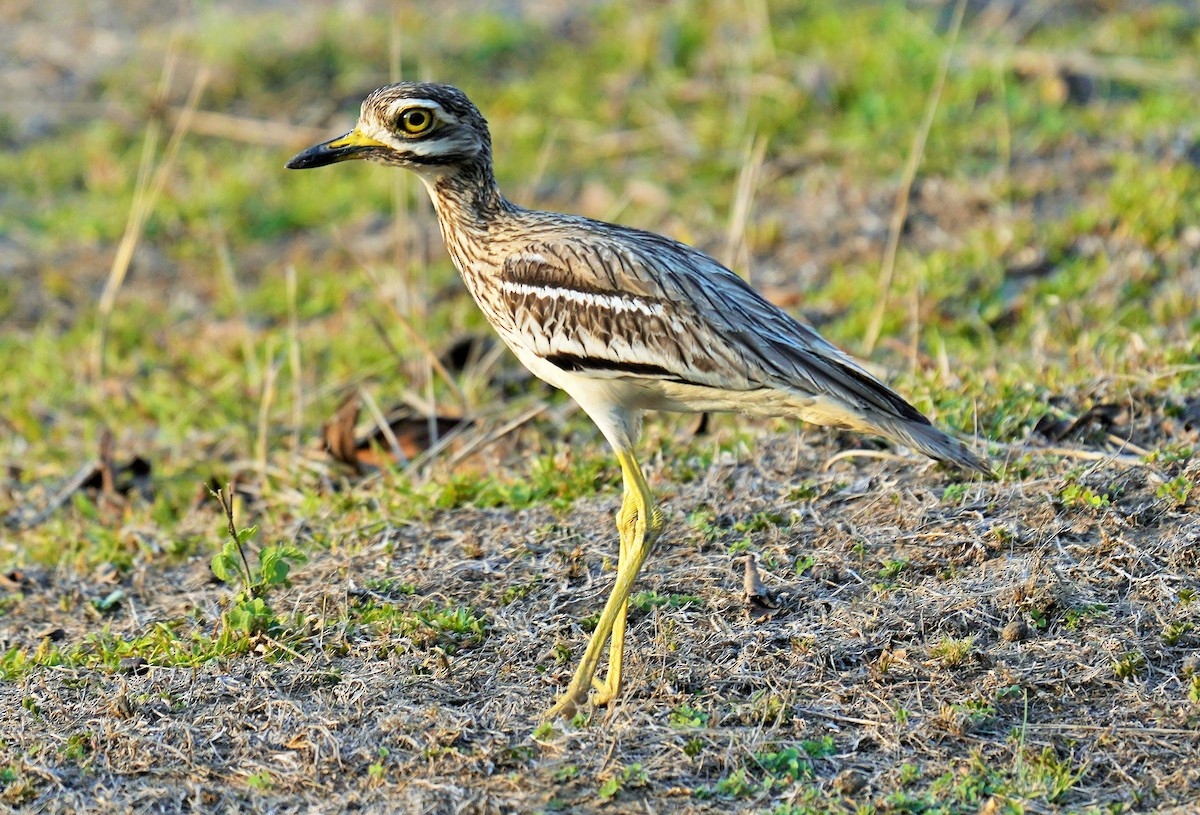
[{"x": 353, "y": 145}]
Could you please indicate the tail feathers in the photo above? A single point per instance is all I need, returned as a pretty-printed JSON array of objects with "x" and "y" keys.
[{"x": 935, "y": 444}]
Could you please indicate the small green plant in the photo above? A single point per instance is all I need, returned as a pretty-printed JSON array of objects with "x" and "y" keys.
[
  {"x": 1194, "y": 688},
  {"x": 955, "y": 492},
  {"x": 646, "y": 600},
  {"x": 1041, "y": 619},
  {"x": 1077, "y": 495},
  {"x": 77, "y": 747},
  {"x": 760, "y": 521},
  {"x": 979, "y": 710},
  {"x": 631, "y": 776},
  {"x": 250, "y": 613},
  {"x": 514, "y": 593},
  {"x": 784, "y": 766},
  {"x": 889, "y": 573},
  {"x": 1002, "y": 534},
  {"x": 819, "y": 748},
  {"x": 566, "y": 773},
  {"x": 1074, "y": 617},
  {"x": 952, "y": 652},
  {"x": 1173, "y": 632},
  {"x": 685, "y": 717},
  {"x": 456, "y": 620},
  {"x": 736, "y": 785},
  {"x": 1171, "y": 453},
  {"x": 803, "y": 564},
  {"x": 964, "y": 717},
  {"x": 1129, "y": 665},
  {"x": 260, "y": 781},
  {"x": 704, "y": 521},
  {"x": 1176, "y": 491},
  {"x": 743, "y": 545},
  {"x": 773, "y": 769},
  {"x": 806, "y": 490},
  {"x": 765, "y": 708},
  {"x": 375, "y": 770},
  {"x": 1045, "y": 775},
  {"x": 16, "y": 787}
]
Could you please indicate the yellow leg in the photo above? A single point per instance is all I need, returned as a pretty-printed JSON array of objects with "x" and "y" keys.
[
  {"x": 610, "y": 688},
  {"x": 638, "y": 524}
]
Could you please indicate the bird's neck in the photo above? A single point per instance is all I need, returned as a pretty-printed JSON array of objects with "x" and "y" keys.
[{"x": 468, "y": 204}]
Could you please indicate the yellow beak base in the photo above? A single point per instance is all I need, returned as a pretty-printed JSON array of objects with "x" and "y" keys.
[{"x": 353, "y": 145}]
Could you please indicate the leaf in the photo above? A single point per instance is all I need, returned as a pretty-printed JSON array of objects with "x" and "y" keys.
[
  {"x": 226, "y": 564},
  {"x": 272, "y": 567},
  {"x": 407, "y": 435},
  {"x": 292, "y": 553},
  {"x": 250, "y": 616},
  {"x": 246, "y": 534},
  {"x": 610, "y": 788},
  {"x": 274, "y": 563}
]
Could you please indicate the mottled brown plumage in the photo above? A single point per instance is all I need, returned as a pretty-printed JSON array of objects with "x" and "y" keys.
[{"x": 622, "y": 319}]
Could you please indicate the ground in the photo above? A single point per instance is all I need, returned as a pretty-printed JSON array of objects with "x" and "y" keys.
[{"x": 829, "y": 624}]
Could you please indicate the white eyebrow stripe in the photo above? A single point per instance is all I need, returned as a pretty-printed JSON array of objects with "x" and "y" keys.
[
  {"x": 403, "y": 104},
  {"x": 619, "y": 303}
]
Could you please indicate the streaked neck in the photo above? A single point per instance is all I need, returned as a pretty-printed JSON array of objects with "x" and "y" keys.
[
  {"x": 468, "y": 198},
  {"x": 469, "y": 207}
]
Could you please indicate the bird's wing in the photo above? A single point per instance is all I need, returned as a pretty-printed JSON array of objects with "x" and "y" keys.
[{"x": 647, "y": 306}]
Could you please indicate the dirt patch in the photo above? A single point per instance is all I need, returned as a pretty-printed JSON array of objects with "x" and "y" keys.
[
  {"x": 1050, "y": 601},
  {"x": 915, "y": 642}
]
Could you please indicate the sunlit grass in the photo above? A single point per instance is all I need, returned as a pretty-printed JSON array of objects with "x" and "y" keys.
[{"x": 1050, "y": 255}]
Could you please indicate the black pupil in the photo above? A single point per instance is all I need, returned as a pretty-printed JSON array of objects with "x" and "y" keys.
[{"x": 417, "y": 119}]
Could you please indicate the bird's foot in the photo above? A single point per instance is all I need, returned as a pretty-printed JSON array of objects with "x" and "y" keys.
[
  {"x": 567, "y": 705},
  {"x": 605, "y": 690}
]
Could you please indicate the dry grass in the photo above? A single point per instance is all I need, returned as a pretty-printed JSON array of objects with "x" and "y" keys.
[
  {"x": 911, "y": 643},
  {"x": 855, "y": 652}
]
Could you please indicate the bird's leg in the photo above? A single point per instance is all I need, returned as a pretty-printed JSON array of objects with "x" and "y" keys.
[
  {"x": 610, "y": 688},
  {"x": 638, "y": 524}
]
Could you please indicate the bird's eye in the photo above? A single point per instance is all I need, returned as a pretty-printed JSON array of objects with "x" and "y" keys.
[{"x": 416, "y": 121}]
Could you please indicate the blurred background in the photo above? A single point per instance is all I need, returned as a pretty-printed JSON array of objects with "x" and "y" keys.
[{"x": 1003, "y": 208}]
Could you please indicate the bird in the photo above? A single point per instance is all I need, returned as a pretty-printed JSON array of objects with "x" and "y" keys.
[{"x": 621, "y": 319}]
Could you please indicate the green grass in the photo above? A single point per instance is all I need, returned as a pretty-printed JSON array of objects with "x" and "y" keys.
[
  {"x": 643, "y": 114},
  {"x": 62, "y": 190}
]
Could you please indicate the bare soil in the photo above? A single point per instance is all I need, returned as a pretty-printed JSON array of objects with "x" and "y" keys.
[{"x": 1064, "y": 607}]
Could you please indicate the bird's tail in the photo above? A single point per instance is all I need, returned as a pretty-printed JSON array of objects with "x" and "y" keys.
[{"x": 933, "y": 443}]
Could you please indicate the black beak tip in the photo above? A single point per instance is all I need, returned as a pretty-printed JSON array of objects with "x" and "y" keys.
[{"x": 307, "y": 158}]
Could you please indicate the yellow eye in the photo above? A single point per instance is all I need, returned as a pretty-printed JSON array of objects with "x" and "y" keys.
[{"x": 415, "y": 121}]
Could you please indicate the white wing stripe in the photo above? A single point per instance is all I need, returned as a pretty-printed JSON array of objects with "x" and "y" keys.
[{"x": 613, "y": 302}]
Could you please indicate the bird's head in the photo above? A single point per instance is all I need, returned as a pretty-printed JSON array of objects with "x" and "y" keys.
[{"x": 429, "y": 128}]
